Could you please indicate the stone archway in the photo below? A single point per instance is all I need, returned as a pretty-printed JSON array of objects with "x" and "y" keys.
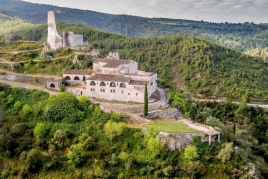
[
  {"x": 76, "y": 78},
  {"x": 67, "y": 78},
  {"x": 122, "y": 85},
  {"x": 102, "y": 84},
  {"x": 52, "y": 85}
]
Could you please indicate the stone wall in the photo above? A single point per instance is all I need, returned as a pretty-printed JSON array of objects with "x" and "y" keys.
[
  {"x": 170, "y": 113},
  {"x": 133, "y": 108},
  {"x": 22, "y": 78},
  {"x": 179, "y": 141}
]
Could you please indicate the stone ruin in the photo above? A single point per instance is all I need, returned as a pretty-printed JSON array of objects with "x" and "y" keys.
[{"x": 67, "y": 39}]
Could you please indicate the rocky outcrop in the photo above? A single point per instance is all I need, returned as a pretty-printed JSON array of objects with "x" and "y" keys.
[{"x": 179, "y": 141}]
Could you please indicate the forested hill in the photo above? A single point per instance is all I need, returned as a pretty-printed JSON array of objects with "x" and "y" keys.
[
  {"x": 242, "y": 37},
  {"x": 193, "y": 64}
]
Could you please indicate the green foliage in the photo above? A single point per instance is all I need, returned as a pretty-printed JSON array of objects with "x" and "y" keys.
[
  {"x": 113, "y": 129},
  {"x": 34, "y": 159},
  {"x": 40, "y": 132},
  {"x": 190, "y": 153},
  {"x": 145, "y": 110},
  {"x": 63, "y": 107},
  {"x": 258, "y": 129},
  {"x": 74, "y": 154},
  {"x": 226, "y": 153},
  {"x": 178, "y": 101}
]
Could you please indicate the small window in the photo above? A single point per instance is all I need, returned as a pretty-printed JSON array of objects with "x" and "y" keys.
[
  {"x": 152, "y": 83},
  {"x": 122, "y": 91},
  {"x": 136, "y": 94},
  {"x": 111, "y": 91},
  {"x": 128, "y": 93}
]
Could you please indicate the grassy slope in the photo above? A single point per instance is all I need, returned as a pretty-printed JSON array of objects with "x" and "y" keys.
[
  {"x": 9, "y": 25},
  {"x": 168, "y": 125}
]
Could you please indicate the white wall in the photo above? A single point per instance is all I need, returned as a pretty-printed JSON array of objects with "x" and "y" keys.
[{"x": 119, "y": 94}]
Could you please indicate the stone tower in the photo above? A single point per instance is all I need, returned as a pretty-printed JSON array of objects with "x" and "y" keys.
[{"x": 54, "y": 40}]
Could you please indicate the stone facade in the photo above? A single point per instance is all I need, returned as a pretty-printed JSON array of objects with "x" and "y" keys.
[
  {"x": 54, "y": 84},
  {"x": 179, "y": 141},
  {"x": 56, "y": 41},
  {"x": 115, "y": 79}
]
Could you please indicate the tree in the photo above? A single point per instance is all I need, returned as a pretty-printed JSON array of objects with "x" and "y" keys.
[
  {"x": 226, "y": 153},
  {"x": 127, "y": 159},
  {"x": 40, "y": 132},
  {"x": 154, "y": 146},
  {"x": 190, "y": 153},
  {"x": 113, "y": 129},
  {"x": 145, "y": 110},
  {"x": 74, "y": 154},
  {"x": 63, "y": 106},
  {"x": 26, "y": 110},
  {"x": 258, "y": 129}
]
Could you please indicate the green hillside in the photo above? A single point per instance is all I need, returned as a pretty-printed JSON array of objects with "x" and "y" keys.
[
  {"x": 192, "y": 64},
  {"x": 241, "y": 36},
  {"x": 9, "y": 25}
]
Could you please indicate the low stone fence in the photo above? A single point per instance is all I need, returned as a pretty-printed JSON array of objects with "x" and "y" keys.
[{"x": 22, "y": 78}]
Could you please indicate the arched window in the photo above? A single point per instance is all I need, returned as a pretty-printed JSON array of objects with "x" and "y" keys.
[
  {"x": 92, "y": 83},
  {"x": 52, "y": 85},
  {"x": 102, "y": 84},
  {"x": 122, "y": 85},
  {"x": 112, "y": 84},
  {"x": 76, "y": 78},
  {"x": 67, "y": 78}
]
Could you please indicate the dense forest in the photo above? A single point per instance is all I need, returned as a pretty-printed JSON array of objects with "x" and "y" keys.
[
  {"x": 192, "y": 64},
  {"x": 61, "y": 136},
  {"x": 240, "y": 36}
]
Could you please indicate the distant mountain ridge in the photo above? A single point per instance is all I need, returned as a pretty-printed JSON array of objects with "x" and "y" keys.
[{"x": 241, "y": 37}]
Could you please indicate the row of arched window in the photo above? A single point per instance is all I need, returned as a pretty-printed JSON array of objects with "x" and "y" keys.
[
  {"x": 76, "y": 78},
  {"x": 112, "y": 84}
]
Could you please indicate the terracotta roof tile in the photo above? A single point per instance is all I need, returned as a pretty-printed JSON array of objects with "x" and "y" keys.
[
  {"x": 114, "y": 78},
  {"x": 135, "y": 82},
  {"x": 112, "y": 62}
]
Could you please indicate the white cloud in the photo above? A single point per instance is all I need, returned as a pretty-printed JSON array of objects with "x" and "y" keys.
[{"x": 208, "y": 10}]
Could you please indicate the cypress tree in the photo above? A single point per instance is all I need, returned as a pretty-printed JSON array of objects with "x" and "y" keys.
[{"x": 145, "y": 109}]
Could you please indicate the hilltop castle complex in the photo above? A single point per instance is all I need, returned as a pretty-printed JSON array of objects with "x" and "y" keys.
[
  {"x": 111, "y": 78},
  {"x": 56, "y": 41}
]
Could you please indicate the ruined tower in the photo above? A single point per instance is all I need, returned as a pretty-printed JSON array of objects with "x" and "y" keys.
[{"x": 54, "y": 40}]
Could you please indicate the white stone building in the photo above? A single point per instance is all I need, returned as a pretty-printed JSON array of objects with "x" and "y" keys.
[
  {"x": 114, "y": 79},
  {"x": 56, "y": 41}
]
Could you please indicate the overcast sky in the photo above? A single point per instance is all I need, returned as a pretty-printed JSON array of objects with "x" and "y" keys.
[{"x": 208, "y": 10}]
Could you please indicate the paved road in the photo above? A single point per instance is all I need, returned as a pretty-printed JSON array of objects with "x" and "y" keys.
[
  {"x": 27, "y": 86},
  {"x": 261, "y": 105},
  {"x": 163, "y": 95}
]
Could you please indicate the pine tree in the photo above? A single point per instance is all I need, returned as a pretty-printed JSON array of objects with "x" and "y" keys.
[{"x": 145, "y": 110}]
